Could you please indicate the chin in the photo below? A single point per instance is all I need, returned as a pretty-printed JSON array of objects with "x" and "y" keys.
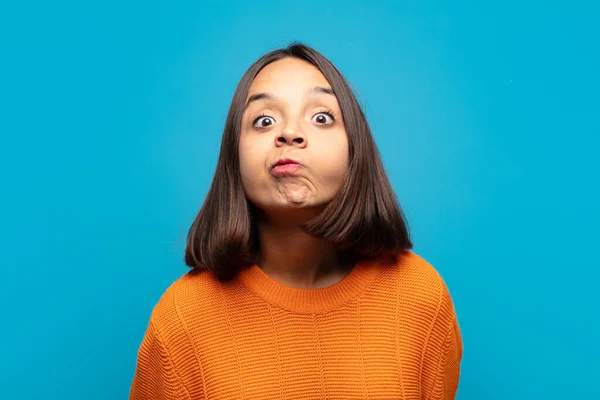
[{"x": 291, "y": 207}]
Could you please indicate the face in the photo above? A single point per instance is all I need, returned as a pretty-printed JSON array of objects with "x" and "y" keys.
[{"x": 293, "y": 143}]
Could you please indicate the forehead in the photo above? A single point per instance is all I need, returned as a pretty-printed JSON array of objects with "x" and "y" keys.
[{"x": 287, "y": 74}]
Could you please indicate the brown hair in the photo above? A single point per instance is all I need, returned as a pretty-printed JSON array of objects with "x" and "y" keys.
[{"x": 363, "y": 219}]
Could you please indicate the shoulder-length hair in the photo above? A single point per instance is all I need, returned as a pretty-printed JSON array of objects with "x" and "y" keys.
[{"x": 363, "y": 219}]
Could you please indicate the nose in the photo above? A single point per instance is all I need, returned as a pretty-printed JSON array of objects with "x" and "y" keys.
[{"x": 291, "y": 135}]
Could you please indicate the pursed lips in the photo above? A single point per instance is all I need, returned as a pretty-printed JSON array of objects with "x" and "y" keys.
[{"x": 285, "y": 166}]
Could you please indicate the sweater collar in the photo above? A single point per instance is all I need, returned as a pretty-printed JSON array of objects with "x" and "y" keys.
[{"x": 311, "y": 301}]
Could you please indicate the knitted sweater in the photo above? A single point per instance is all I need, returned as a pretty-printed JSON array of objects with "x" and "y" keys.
[{"x": 387, "y": 330}]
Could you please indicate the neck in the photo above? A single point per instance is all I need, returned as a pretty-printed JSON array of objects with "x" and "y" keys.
[{"x": 292, "y": 256}]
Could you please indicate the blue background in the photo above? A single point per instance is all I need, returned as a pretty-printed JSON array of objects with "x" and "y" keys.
[{"x": 486, "y": 115}]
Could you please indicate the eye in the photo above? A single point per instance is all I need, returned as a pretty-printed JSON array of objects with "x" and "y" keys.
[
  {"x": 323, "y": 116},
  {"x": 264, "y": 121}
]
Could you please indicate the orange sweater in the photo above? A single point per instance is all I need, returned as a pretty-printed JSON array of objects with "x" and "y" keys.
[{"x": 385, "y": 331}]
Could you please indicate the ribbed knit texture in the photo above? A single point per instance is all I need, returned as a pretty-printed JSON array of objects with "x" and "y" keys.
[{"x": 388, "y": 330}]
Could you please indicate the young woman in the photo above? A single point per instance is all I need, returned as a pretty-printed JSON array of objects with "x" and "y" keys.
[{"x": 303, "y": 285}]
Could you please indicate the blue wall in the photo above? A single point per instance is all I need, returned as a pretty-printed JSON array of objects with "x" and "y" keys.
[{"x": 486, "y": 115}]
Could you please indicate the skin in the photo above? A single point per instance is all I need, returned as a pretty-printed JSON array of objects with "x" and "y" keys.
[{"x": 295, "y": 125}]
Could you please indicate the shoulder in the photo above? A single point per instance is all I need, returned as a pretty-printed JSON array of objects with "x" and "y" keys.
[
  {"x": 188, "y": 296},
  {"x": 421, "y": 283},
  {"x": 416, "y": 268}
]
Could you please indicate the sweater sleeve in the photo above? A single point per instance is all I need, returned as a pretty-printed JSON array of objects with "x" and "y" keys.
[
  {"x": 155, "y": 376},
  {"x": 443, "y": 354},
  {"x": 446, "y": 382}
]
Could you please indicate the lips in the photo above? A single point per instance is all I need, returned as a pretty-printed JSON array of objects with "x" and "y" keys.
[{"x": 285, "y": 166}]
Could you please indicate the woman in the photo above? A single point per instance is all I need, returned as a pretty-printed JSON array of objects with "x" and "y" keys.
[{"x": 302, "y": 283}]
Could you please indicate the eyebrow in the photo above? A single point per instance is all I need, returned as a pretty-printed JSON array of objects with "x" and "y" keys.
[{"x": 270, "y": 96}]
